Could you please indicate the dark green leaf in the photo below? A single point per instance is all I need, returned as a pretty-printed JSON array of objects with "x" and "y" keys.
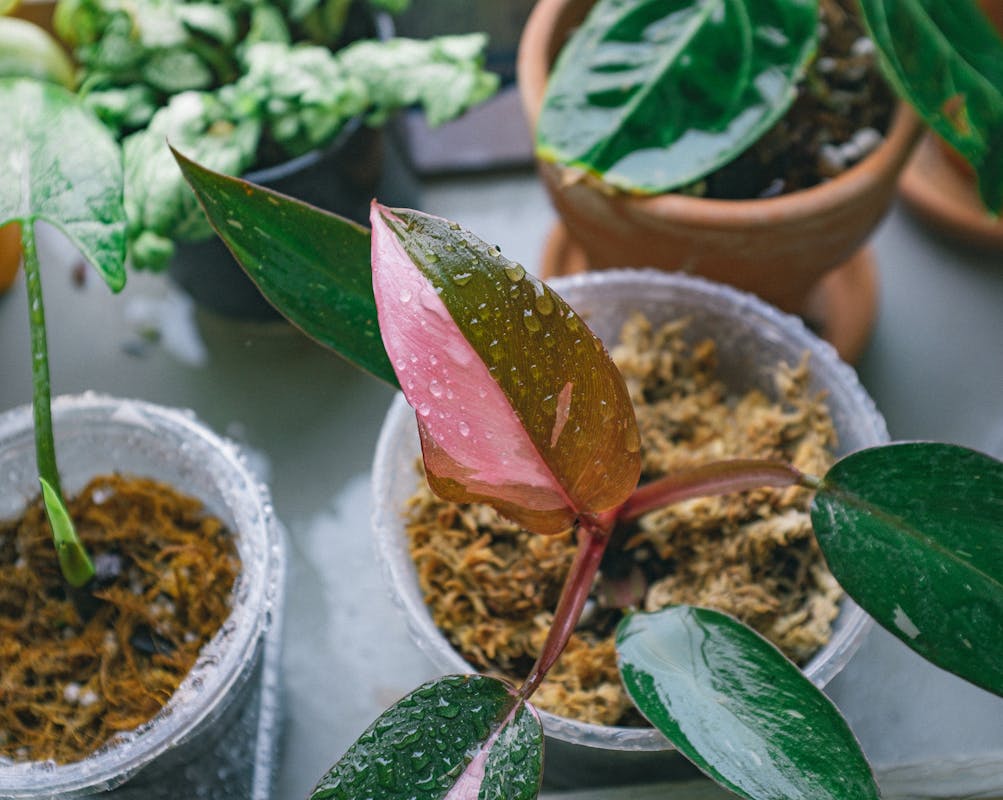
[
  {"x": 738, "y": 709},
  {"x": 914, "y": 533},
  {"x": 461, "y": 731},
  {"x": 946, "y": 60},
  {"x": 311, "y": 265},
  {"x": 653, "y": 95},
  {"x": 61, "y": 165}
]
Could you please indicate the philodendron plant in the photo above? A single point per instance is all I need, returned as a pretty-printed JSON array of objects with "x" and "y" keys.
[
  {"x": 652, "y": 96},
  {"x": 61, "y": 166},
  {"x": 519, "y": 405}
]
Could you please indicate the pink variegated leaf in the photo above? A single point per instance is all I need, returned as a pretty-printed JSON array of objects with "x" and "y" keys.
[{"x": 518, "y": 402}]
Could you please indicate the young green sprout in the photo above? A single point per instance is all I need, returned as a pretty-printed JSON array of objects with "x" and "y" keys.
[
  {"x": 519, "y": 405},
  {"x": 61, "y": 167}
]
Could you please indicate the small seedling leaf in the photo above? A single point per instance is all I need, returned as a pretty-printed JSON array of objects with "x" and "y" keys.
[
  {"x": 652, "y": 95},
  {"x": 74, "y": 561},
  {"x": 312, "y": 265},
  {"x": 914, "y": 533},
  {"x": 739, "y": 710},
  {"x": 62, "y": 166},
  {"x": 461, "y": 737},
  {"x": 518, "y": 403}
]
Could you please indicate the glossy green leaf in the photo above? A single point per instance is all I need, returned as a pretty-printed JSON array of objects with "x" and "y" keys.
[
  {"x": 914, "y": 533},
  {"x": 946, "y": 60},
  {"x": 652, "y": 95},
  {"x": 739, "y": 710},
  {"x": 60, "y": 165},
  {"x": 519, "y": 404},
  {"x": 313, "y": 266},
  {"x": 463, "y": 737}
]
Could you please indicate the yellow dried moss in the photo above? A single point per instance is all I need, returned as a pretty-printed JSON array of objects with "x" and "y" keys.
[{"x": 491, "y": 586}]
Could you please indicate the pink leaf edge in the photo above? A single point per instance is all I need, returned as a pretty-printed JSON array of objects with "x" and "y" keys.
[{"x": 458, "y": 403}]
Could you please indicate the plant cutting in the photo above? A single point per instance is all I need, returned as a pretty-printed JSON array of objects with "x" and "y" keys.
[
  {"x": 518, "y": 405},
  {"x": 723, "y": 111},
  {"x": 115, "y": 592}
]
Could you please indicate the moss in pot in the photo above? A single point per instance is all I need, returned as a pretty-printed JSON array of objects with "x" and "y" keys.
[
  {"x": 673, "y": 122},
  {"x": 133, "y": 615},
  {"x": 518, "y": 404}
]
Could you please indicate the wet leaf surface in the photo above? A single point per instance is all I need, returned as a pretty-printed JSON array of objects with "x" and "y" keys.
[
  {"x": 914, "y": 533},
  {"x": 518, "y": 402},
  {"x": 313, "y": 266},
  {"x": 739, "y": 710},
  {"x": 459, "y": 737}
]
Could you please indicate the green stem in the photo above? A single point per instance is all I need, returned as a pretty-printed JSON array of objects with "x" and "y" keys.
[{"x": 74, "y": 561}]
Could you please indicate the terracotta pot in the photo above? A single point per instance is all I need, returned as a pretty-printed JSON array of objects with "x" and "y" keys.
[{"x": 778, "y": 248}]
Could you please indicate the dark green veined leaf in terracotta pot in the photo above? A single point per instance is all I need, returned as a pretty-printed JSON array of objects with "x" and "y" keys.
[
  {"x": 71, "y": 177},
  {"x": 914, "y": 533},
  {"x": 652, "y": 95},
  {"x": 946, "y": 60},
  {"x": 465, "y": 734},
  {"x": 739, "y": 710}
]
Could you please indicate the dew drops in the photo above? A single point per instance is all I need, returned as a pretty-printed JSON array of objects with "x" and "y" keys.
[
  {"x": 462, "y": 278},
  {"x": 544, "y": 303},
  {"x": 433, "y": 360},
  {"x": 431, "y": 258},
  {"x": 531, "y": 321},
  {"x": 400, "y": 363},
  {"x": 424, "y": 409},
  {"x": 515, "y": 272},
  {"x": 454, "y": 226},
  {"x": 405, "y": 295},
  {"x": 435, "y": 388},
  {"x": 631, "y": 438},
  {"x": 571, "y": 321},
  {"x": 495, "y": 350},
  {"x": 482, "y": 392},
  {"x": 463, "y": 428}
]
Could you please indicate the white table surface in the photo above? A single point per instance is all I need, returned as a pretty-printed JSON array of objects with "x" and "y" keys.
[{"x": 935, "y": 368}]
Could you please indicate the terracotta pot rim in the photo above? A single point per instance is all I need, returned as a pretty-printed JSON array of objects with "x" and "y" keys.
[{"x": 533, "y": 66}]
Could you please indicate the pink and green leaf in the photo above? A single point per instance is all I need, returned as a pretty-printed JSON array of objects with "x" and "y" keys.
[
  {"x": 461, "y": 737},
  {"x": 518, "y": 402}
]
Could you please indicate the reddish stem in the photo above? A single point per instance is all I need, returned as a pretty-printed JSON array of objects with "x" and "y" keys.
[
  {"x": 721, "y": 477},
  {"x": 593, "y": 536}
]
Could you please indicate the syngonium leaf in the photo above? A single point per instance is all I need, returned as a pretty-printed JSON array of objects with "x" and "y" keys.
[
  {"x": 652, "y": 95},
  {"x": 518, "y": 403},
  {"x": 739, "y": 710},
  {"x": 60, "y": 165},
  {"x": 461, "y": 737},
  {"x": 313, "y": 266},
  {"x": 914, "y": 533},
  {"x": 946, "y": 60}
]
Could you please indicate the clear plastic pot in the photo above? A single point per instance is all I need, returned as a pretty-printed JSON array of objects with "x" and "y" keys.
[
  {"x": 216, "y": 737},
  {"x": 752, "y": 337}
]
